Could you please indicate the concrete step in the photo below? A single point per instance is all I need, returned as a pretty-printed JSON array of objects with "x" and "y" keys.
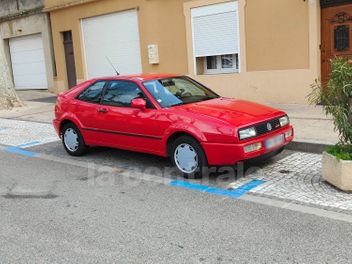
[{"x": 308, "y": 146}]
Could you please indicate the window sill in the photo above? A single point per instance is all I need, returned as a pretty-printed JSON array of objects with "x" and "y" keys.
[{"x": 220, "y": 72}]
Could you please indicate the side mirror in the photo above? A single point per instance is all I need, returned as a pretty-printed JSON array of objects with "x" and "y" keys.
[{"x": 139, "y": 103}]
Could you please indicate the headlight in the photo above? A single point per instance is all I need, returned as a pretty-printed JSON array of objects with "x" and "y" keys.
[
  {"x": 284, "y": 121},
  {"x": 247, "y": 133}
]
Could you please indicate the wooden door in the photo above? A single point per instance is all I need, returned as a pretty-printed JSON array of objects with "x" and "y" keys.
[
  {"x": 336, "y": 35},
  {"x": 70, "y": 59}
]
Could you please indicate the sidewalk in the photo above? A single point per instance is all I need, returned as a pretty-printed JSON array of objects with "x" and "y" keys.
[
  {"x": 39, "y": 107},
  {"x": 310, "y": 123}
]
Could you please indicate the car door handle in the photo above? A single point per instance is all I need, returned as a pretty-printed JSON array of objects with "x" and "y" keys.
[{"x": 102, "y": 110}]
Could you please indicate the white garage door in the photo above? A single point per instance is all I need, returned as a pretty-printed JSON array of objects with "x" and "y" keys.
[
  {"x": 28, "y": 63},
  {"x": 112, "y": 39}
]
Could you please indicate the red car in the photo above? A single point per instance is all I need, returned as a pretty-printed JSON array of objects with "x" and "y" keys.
[{"x": 171, "y": 116}]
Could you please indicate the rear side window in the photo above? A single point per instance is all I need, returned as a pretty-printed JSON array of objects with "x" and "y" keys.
[
  {"x": 121, "y": 93},
  {"x": 93, "y": 93}
]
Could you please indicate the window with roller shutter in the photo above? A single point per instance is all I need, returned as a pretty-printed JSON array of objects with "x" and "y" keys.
[{"x": 216, "y": 38}]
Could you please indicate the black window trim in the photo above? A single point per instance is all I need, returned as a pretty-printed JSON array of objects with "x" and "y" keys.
[
  {"x": 107, "y": 85},
  {"x": 102, "y": 92}
]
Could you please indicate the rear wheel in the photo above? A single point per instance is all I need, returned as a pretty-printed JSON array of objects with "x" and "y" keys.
[
  {"x": 189, "y": 158},
  {"x": 73, "y": 141}
]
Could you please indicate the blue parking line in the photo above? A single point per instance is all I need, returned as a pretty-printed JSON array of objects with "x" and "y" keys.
[
  {"x": 20, "y": 151},
  {"x": 234, "y": 193},
  {"x": 29, "y": 144}
]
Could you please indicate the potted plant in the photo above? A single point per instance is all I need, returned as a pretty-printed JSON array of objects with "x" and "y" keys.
[{"x": 335, "y": 96}]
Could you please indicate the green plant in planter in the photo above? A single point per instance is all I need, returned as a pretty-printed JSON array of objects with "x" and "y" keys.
[{"x": 336, "y": 99}]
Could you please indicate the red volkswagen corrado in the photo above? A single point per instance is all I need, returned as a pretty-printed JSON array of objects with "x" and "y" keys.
[{"x": 171, "y": 116}]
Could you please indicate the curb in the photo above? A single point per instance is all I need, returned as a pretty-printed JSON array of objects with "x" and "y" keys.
[{"x": 310, "y": 147}]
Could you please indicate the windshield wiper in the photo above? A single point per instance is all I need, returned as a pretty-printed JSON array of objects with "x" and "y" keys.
[
  {"x": 181, "y": 103},
  {"x": 211, "y": 97},
  {"x": 205, "y": 99}
]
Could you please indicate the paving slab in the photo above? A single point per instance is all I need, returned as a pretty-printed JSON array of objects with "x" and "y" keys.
[
  {"x": 27, "y": 133},
  {"x": 38, "y": 107},
  {"x": 310, "y": 123},
  {"x": 297, "y": 178}
]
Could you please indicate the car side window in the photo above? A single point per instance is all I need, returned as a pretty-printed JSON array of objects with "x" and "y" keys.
[
  {"x": 121, "y": 93},
  {"x": 93, "y": 93}
]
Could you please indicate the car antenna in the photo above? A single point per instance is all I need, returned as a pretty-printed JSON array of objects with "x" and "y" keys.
[{"x": 112, "y": 65}]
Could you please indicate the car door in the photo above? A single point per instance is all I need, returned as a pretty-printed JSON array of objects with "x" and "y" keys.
[
  {"x": 123, "y": 126},
  {"x": 86, "y": 109}
]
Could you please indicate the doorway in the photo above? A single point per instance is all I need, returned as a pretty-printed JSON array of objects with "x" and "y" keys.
[
  {"x": 336, "y": 35},
  {"x": 70, "y": 59}
]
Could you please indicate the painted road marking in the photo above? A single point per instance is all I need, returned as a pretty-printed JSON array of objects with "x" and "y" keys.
[
  {"x": 29, "y": 144},
  {"x": 234, "y": 193},
  {"x": 304, "y": 208},
  {"x": 20, "y": 151}
]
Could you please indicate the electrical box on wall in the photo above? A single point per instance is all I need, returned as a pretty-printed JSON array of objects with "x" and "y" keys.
[{"x": 153, "y": 54}]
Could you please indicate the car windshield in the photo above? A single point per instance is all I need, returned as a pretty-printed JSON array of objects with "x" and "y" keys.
[{"x": 178, "y": 91}]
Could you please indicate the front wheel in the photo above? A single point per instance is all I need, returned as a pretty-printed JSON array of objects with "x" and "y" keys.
[
  {"x": 189, "y": 158},
  {"x": 73, "y": 141}
]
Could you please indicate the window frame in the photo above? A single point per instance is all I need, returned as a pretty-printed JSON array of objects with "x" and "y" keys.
[
  {"x": 212, "y": 9},
  {"x": 89, "y": 86},
  {"x": 107, "y": 86},
  {"x": 219, "y": 69}
]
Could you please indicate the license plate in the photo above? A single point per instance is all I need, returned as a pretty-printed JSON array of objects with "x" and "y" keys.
[{"x": 274, "y": 141}]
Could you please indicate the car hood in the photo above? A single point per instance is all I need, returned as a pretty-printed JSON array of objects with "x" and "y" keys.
[{"x": 235, "y": 112}]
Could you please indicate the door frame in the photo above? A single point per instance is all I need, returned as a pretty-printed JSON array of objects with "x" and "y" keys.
[
  {"x": 331, "y": 3},
  {"x": 323, "y": 5},
  {"x": 67, "y": 39}
]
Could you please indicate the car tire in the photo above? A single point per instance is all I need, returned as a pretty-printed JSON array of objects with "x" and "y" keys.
[
  {"x": 73, "y": 141},
  {"x": 188, "y": 158}
]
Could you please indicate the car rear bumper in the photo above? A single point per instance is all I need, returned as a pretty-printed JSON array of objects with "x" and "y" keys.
[
  {"x": 56, "y": 124},
  {"x": 228, "y": 154}
]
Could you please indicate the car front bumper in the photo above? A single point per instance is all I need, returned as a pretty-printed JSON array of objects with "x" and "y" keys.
[{"x": 228, "y": 154}]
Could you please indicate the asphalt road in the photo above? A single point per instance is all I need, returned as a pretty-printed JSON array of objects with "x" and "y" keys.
[{"x": 57, "y": 211}]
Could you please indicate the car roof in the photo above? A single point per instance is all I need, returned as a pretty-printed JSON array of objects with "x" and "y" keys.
[{"x": 138, "y": 77}]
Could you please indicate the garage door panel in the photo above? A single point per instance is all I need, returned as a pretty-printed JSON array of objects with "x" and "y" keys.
[
  {"x": 27, "y": 57},
  {"x": 36, "y": 68},
  {"x": 30, "y": 81},
  {"x": 113, "y": 37},
  {"x": 28, "y": 62},
  {"x": 30, "y": 42}
]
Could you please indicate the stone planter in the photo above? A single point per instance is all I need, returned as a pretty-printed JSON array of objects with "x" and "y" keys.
[{"x": 337, "y": 172}]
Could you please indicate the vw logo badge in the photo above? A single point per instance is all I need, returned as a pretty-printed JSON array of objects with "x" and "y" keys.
[{"x": 269, "y": 126}]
